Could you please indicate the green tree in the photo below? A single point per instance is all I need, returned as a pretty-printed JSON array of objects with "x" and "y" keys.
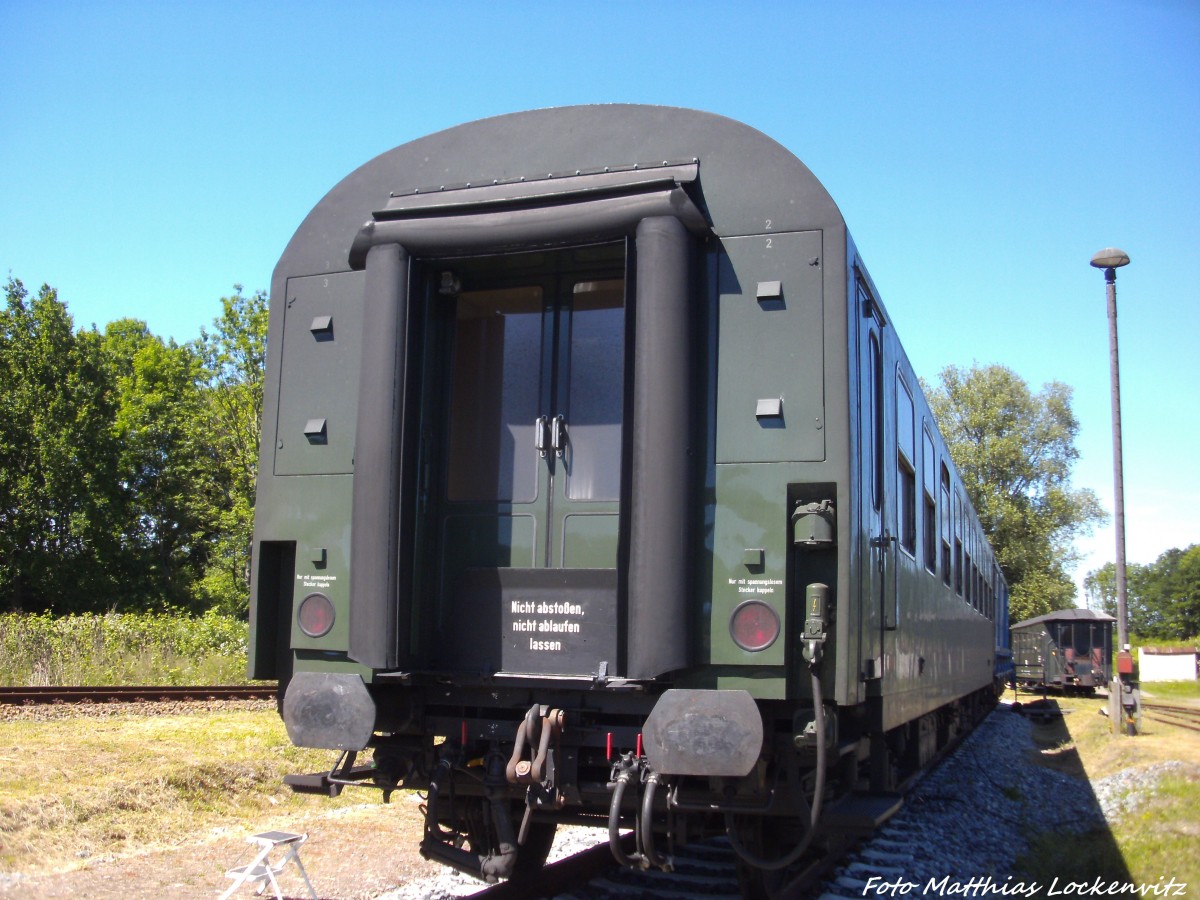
[
  {"x": 164, "y": 466},
  {"x": 1180, "y": 592},
  {"x": 59, "y": 502},
  {"x": 127, "y": 464},
  {"x": 1100, "y": 590},
  {"x": 1162, "y": 599},
  {"x": 233, "y": 357},
  {"x": 1014, "y": 450}
]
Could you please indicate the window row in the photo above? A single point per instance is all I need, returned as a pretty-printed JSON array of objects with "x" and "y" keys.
[{"x": 949, "y": 544}]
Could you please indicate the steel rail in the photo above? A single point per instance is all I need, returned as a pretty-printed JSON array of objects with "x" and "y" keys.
[
  {"x": 1167, "y": 714},
  {"x": 583, "y": 868},
  {"x": 22, "y": 696},
  {"x": 1179, "y": 723},
  {"x": 1189, "y": 711},
  {"x": 569, "y": 872}
]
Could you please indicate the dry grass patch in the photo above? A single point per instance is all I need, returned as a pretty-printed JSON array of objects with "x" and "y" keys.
[
  {"x": 1156, "y": 838},
  {"x": 75, "y": 788}
]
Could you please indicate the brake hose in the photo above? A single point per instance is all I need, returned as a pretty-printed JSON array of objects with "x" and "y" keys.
[{"x": 818, "y": 794}]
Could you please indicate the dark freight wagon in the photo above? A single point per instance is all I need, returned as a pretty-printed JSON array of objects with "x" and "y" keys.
[
  {"x": 1071, "y": 648},
  {"x": 596, "y": 486}
]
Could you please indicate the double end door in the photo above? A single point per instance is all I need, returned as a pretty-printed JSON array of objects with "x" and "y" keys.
[{"x": 526, "y": 505}]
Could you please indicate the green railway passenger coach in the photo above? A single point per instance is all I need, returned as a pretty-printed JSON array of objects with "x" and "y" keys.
[{"x": 595, "y": 485}]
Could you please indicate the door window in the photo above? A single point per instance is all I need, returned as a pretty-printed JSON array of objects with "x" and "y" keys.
[
  {"x": 494, "y": 399},
  {"x": 595, "y": 392},
  {"x": 534, "y": 411}
]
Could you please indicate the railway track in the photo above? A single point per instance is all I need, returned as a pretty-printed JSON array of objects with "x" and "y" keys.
[
  {"x": 700, "y": 870},
  {"x": 897, "y": 848},
  {"x": 706, "y": 870},
  {"x": 1183, "y": 716},
  {"x": 27, "y": 696},
  {"x": 584, "y": 867}
]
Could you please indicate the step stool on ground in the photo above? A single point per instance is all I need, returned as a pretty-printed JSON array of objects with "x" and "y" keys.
[{"x": 261, "y": 870}]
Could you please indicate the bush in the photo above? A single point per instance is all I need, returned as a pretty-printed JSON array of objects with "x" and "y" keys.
[{"x": 122, "y": 648}]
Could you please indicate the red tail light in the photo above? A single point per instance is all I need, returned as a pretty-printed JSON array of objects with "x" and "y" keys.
[
  {"x": 315, "y": 615},
  {"x": 754, "y": 625}
]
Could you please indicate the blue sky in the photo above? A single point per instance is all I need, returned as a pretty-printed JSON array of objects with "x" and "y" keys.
[{"x": 157, "y": 153}]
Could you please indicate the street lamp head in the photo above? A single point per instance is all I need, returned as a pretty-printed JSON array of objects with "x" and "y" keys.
[{"x": 1110, "y": 258}]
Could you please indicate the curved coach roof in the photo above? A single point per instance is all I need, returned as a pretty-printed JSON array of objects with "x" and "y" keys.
[
  {"x": 1066, "y": 615},
  {"x": 745, "y": 177}
]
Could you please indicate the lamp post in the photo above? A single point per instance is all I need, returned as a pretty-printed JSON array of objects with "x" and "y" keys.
[{"x": 1110, "y": 259}]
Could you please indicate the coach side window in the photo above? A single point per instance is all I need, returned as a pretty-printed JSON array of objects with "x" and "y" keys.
[
  {"x": 876, "y": 422},
  {"x": 906, "y": 467},
  {"x": 946, "y": 567},
  {"x": 968, "y": 560},
  {"x": 958, "y": 546},
  {"x": 929, "y": 490}
]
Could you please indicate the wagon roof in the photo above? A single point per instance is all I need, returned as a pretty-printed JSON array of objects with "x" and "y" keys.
[
  {"x": 1077, "y": 615},
  {"x": 750, "y": 183}
]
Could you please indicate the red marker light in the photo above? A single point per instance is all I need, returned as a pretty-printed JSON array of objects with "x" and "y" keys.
[
  {"x": 754, "y": 625},
  {"x": 315, "y": 615}
]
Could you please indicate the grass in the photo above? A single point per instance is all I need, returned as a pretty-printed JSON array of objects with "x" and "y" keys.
[
  {"x": 75, "y": 788},
  {"x": 122, "y": 648},
  {"x": 1172, "y": 690},
  {"x": 1157, "y": 839}
]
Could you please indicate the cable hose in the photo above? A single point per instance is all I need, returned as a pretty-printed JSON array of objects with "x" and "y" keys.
[
  {"x": 818, "y": 794},
  {"x": 648, "y": 851},
  {"x": 614, "y": 822}
]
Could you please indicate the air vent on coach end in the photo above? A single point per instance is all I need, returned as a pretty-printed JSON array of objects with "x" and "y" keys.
[
  {"x": 322, "y": 328},
  {"x": 316, "y": 432}
]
